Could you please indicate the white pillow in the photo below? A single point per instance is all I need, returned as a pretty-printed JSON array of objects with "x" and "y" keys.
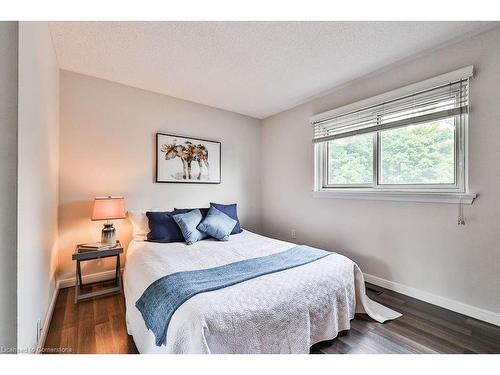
[{"x": 140, "y": 224}]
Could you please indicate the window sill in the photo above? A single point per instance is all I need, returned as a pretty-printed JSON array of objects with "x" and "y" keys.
[{"x": 430, "y": 197}]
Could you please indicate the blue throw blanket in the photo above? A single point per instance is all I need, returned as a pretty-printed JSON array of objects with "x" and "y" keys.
[{"x": 163, "y": 297}]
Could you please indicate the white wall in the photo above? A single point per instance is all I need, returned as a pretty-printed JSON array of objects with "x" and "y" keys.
[
  {"x": 38, "y": 153},
  {"x": 8, "y": 182},
  {"x": 416, "y": 244},
  {"x": 108, "y": 147}
]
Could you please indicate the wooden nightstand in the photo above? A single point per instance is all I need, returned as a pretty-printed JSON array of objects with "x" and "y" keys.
[{"x": 93, "y": 255}]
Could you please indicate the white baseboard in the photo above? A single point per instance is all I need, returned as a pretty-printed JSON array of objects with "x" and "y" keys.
[
  {"x": 92, "y": 278},
  {"x": 48, "y": 319},
  {"x": 459, "y": 307}
]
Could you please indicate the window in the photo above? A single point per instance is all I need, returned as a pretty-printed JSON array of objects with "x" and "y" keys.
[{"x": 409, "y": 144}]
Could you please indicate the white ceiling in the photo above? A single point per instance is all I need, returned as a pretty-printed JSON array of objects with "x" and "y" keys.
[{"x": 253, "y": 68}]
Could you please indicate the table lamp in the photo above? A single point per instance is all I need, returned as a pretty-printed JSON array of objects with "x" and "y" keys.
[{"x": 108, "y": 208}]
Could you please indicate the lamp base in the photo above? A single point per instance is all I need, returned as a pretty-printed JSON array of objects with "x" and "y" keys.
[{"x": 108, "y": 235}]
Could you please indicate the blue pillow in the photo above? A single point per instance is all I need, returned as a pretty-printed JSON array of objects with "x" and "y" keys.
[
  {"x": 203, "y": 210},
  {"x": 217, "y": 224},
  {"x": 229, "y": 210},
  {"x": 163, "y": 228},
  {"x": 187, "y": 223}
]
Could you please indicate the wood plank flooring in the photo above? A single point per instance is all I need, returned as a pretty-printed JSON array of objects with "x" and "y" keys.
[
  {"x": 92, "y": 326},
  {"x": 98, "y": 326}
]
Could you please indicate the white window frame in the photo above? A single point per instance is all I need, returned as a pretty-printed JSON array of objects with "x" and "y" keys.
[{"x": 458, "y": 192}]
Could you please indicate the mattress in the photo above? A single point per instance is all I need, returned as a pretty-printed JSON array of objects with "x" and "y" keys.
[{"x": 282, "y": 312}]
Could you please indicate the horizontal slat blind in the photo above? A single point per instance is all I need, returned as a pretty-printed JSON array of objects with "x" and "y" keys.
[{"x": 436, "y": 103}]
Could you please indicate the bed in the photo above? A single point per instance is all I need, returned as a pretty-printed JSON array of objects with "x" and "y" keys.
[{"x": 281, "y": 312}]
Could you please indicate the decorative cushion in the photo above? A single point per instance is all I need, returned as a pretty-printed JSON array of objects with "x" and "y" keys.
[
  {"x": 140, "y": 225},
  {"x": 203, "y": 210},
  {"x": 187, "y": 223},
  {"x": 217, "y": 224},
  {"x": 163, "y": 228},
  {"x": 231, "y": 211}
]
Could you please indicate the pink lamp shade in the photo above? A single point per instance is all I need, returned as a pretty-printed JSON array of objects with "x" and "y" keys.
[{"x": 108, "y": 208}]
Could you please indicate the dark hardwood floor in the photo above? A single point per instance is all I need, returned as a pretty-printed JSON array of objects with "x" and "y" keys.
[
  {"x": 98, "y": 326},
  {"x": 92, "y": 326}
]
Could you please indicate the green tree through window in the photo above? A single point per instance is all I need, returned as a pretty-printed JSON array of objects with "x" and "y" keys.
[
  {"x": 350, "y": 160},
  {"x": 416, "y": 154},
  {"x": 419, "y": 154}
]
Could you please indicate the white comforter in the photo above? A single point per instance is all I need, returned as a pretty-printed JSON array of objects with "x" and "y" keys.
[{"x": 283, "y": 312}]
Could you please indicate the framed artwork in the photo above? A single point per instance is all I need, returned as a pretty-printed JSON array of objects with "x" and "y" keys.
[{"x": 187, "y": 160}]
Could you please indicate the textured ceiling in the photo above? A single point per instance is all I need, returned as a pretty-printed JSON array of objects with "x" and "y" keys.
[{"x": 253, "y": 68}]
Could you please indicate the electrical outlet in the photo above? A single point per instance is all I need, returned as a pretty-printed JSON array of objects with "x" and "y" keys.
[
  {"x": 38, "y": 330},
  {"x": 294, "y": 234}
]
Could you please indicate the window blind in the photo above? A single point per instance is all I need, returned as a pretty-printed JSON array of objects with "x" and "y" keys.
[{"x": 439, "y": 102}]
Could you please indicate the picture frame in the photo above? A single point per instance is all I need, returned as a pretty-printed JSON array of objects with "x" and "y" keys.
[{"x": 183, "y": 159}]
